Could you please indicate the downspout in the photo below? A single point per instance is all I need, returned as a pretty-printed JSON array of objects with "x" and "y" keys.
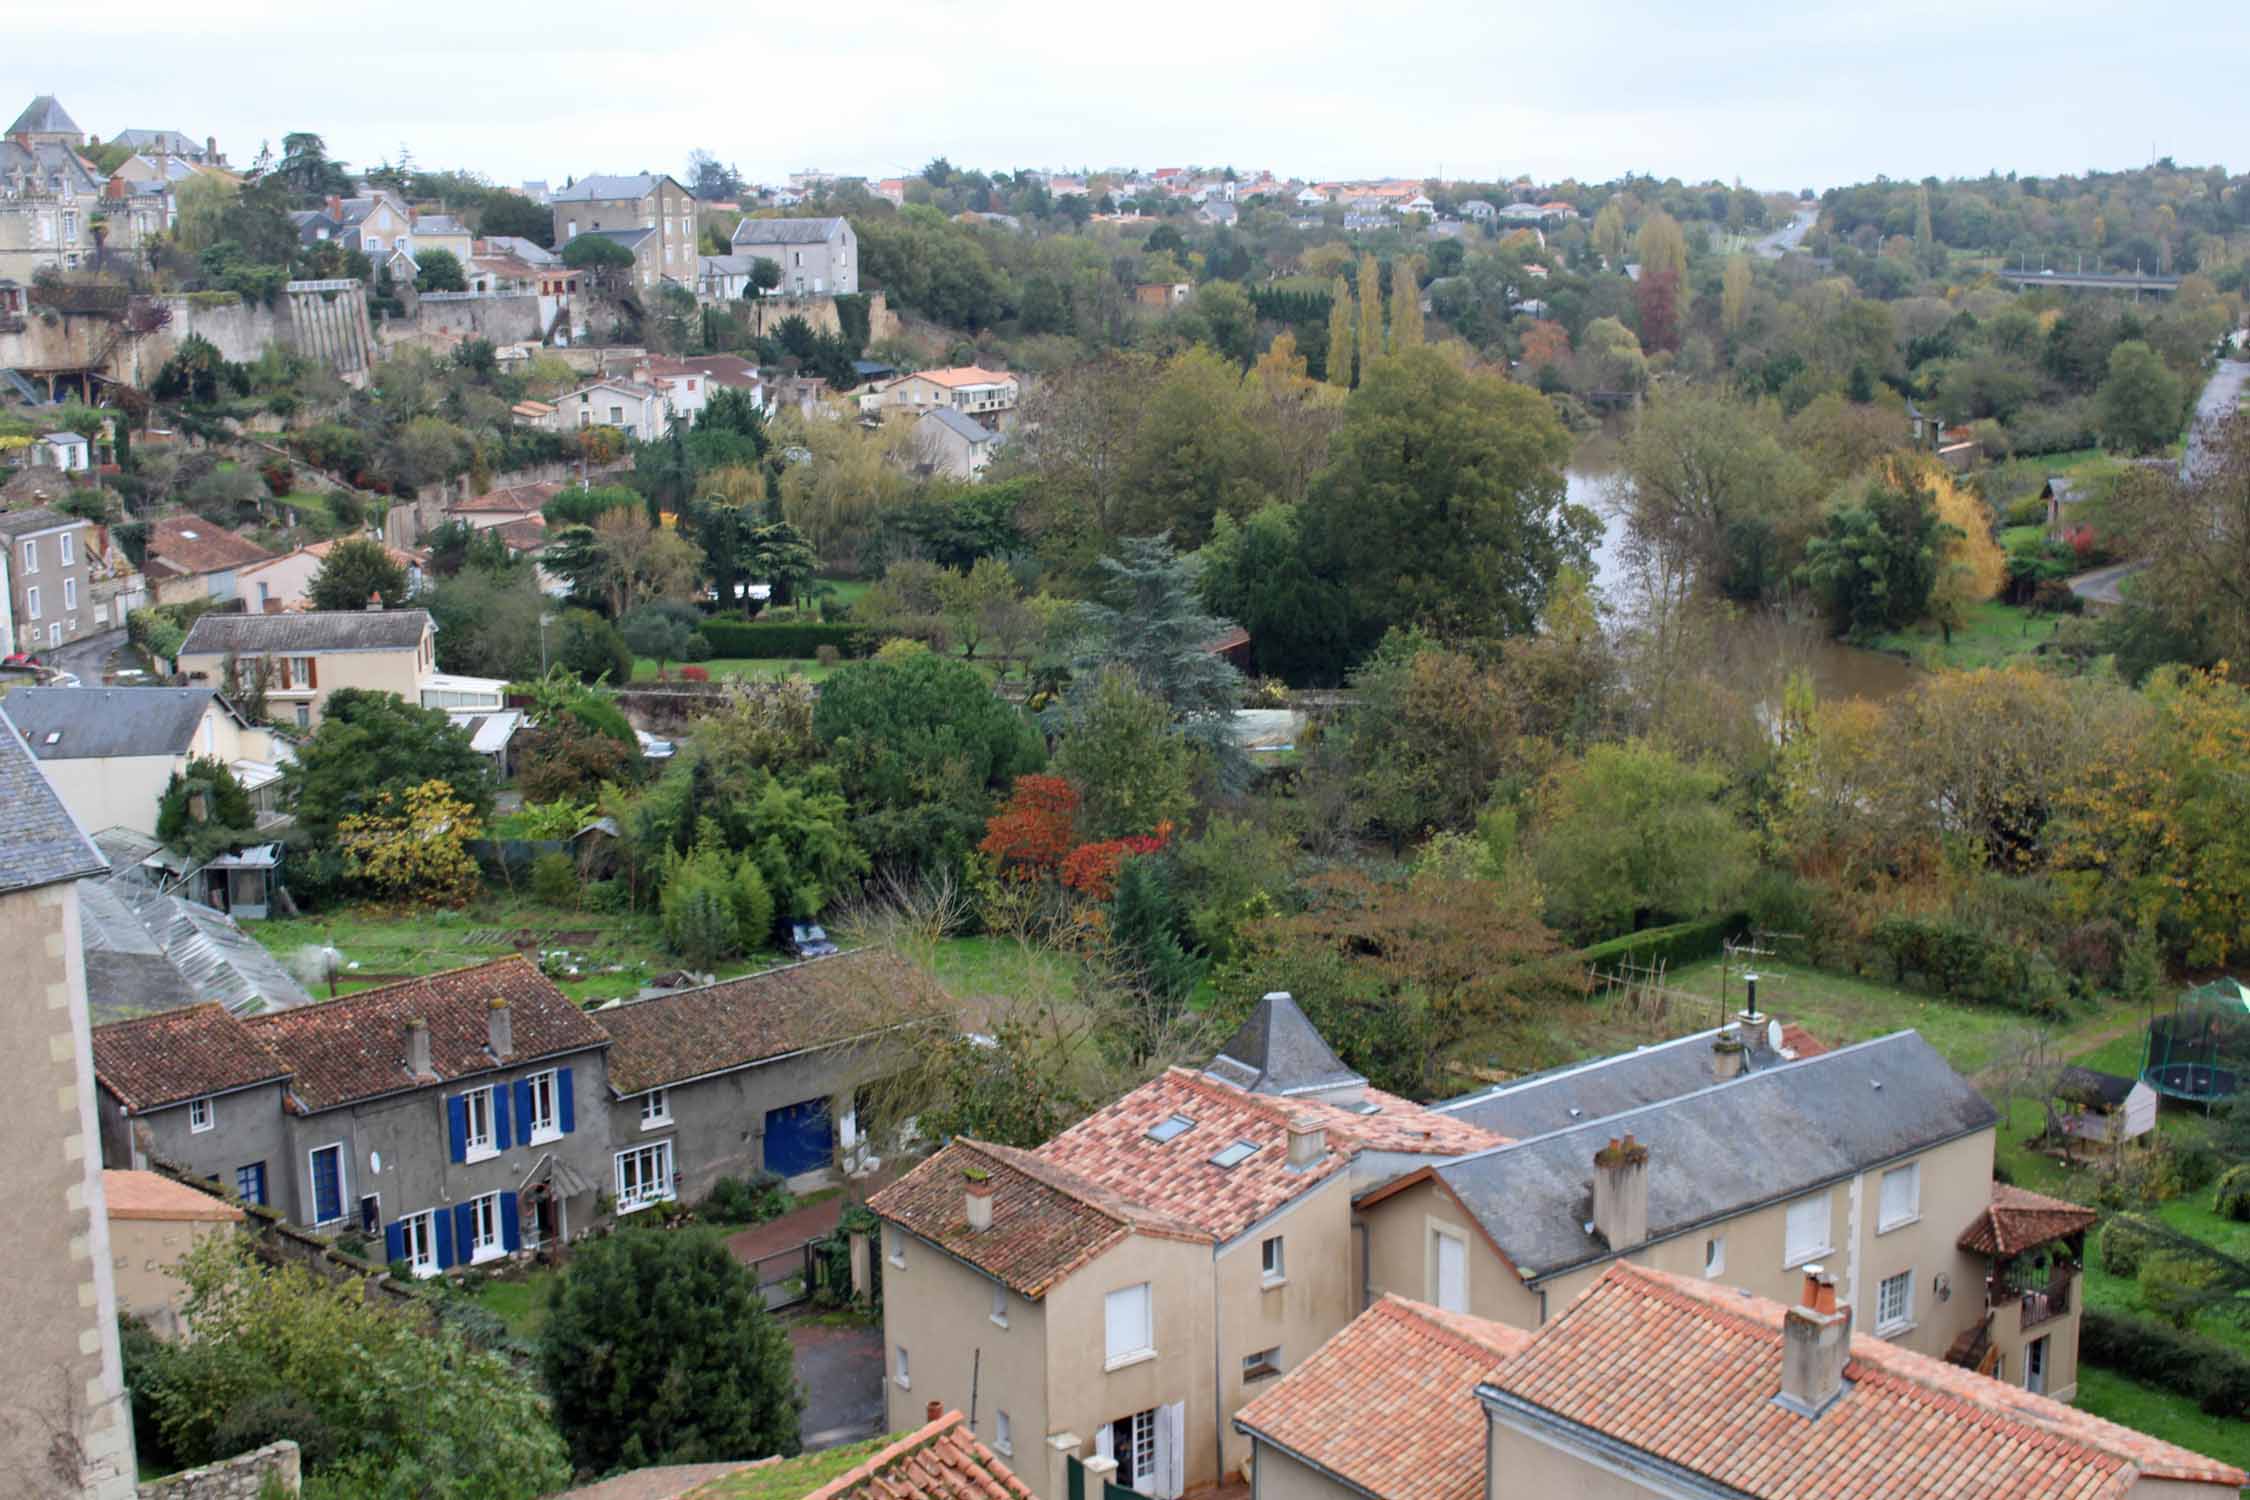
[
  {"x": 1366, "y": 1269},
  {"x": 1218, "y": 1394}
]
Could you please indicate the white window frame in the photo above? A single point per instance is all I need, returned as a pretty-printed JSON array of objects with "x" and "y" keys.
[
  {"x": 1793, "y": 1251},
  {"x": 1440, "y": 1237},
  {"x": 1122, "y": 1343},
  {"x": 999, "y": 1305},
  {"x": 201, "y": 1115},
  {"x": 903, "y": 1372},
  {"x": 31, "y": 602},
  {"x": 1003, "y": 1435},
  {"x": 1273, "y": 1263},
  {"x": 420, "y": 1233},
  {"x": 656, "y": 1109},
  {"x": 545, "y": 1089},
  {"x": 343, "y": 1184},
  {"x": 1714, "y": 1257},
  {"x": 31, "y": 554},
  {"x": 898, "y": 1247},
  {"x": 63, "y": 547},
  {"x": 1911, "y": 1211},
  {"x": 477, "y": 1147},
  {"x": 70, "y": 595},
  {"x": 647, "y": 1157},
  {"x": 1890, "y": 1320},
  {"x": 487, "y": 1241}
]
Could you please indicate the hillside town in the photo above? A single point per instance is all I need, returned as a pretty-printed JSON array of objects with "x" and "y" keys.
[{"x": 1194, "y": 831}]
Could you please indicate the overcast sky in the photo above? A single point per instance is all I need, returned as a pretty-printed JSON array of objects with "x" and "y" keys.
[{"x": 1782, "y": 96}]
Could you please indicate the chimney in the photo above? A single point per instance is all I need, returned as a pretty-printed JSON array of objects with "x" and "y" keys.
[
  {"x": 500, "y": 1024},
  {"x": 418, "y": 1049},
  {"x": 211, "y": 149},
  {"x": 335, "y": 207},
  {"x": 1727, "y": 1050},
  {"x": 1816, "y": 1341},
  {"x": 1621, "y": 1193},
  {"x": 979, "y": 1200},
  {"x": 1308, "y": 1142},
  {"x": 375, "y": 602},
  {"x": 933, "y": 1411}
]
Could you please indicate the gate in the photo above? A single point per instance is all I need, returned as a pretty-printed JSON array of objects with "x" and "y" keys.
[{"x": 785, "y": 1278}]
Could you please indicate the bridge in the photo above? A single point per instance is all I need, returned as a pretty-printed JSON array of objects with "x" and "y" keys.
[{"x": 2119, "y": 281}]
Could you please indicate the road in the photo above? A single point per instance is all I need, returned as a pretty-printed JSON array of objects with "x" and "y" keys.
[
  {"x": 1787, "y": 238},
  {"x": 88, "y": 657},
  {"x": 2222, "y": 393}
]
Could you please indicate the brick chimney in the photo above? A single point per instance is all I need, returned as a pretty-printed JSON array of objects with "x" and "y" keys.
[
  {"x": 1308, "y": 1142},
  {"x": 418, "y": 1049},
  {"x": 335, "y": 207},
  {"x": 978, "y": 1203},
  {"x": 933, "y": 1411},
  {"x": 1727, "y": 1054},
  {"x": 1621, "y": 1193},
  {"x": 500, "y": 1025},
  {"x": 1816, "y": 1341}
]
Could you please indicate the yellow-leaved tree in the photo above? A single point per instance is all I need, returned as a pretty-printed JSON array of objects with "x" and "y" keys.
[
  {"x": 1973, "y": 568},
  {"x": 1340, "y": 334},
  {"x": 418, "y": 854},
  {"x": 1370, "y": 315},
  {"x": 1734, "y": 293},
  {"x": 1406, "y": 304}
]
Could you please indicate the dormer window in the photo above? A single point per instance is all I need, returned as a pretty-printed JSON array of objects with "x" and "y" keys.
[
  {"x": 1236, "y": 1154},
  {"x": 1170, "y": 1130}
]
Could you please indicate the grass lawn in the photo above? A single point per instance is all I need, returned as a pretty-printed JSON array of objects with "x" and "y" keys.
[
  {"x": 644, "y": 669},
  {"x": 2161, "y": 1414},
  {"x": 793, "y": 1476},
  {"x": 2021, "y": 538},
  {"x": 1994, "y": 634},
  {"x": 972, "y": 966},
  {"x": 520, "y": 1302}
]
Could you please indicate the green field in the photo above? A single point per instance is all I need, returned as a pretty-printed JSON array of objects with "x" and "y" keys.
[
  {"x": 519, "y": 1302},
  {"x": 1994, "y": 634},
  {"x": 644, "y": 669},
  {"x": 2161, "y": 1414}
]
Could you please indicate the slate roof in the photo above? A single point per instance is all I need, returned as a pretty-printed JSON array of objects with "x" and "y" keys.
[
  {"x": 86, "y": 723},
  {"x": 1389, "y": 1403},
  {"x": 2018, "y": 1219},
  {"x": 1277, "y": 1051},
  {"x": 166, "y": 142},
  {"x": 149, "y": 951},
  {"x": 965, "y": 427},
  {"x": 190, "y": 544},
  {"x": 1759, "y": 1138},
  {"x": 629, "y": 238},
  {"x": 177, "y": 1055},
  {"x": 602, "y": 186},
  {"x": 1705, "y": 1363},
  {"x": 691, "y": 1033},
  {"x": 307, "y": 631},
  {"x": 40, "y": 842},
  {"x": 15, "y": 523},
  {"x": 785, "y": 231},
  {"x": 355, "y": 1048},
  {"x": 1047, "y": 1221},
  {"x": 44, "y": 115},
  {"x": 1571, "y": 1095}
]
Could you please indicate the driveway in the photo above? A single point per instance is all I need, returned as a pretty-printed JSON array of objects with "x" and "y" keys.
[
  {"x": 2222, "y": 394},
  {"x": 841, "y": 1367},
  {"x": 1787, "y": 238},
  {"x": 88, "y": 657}
]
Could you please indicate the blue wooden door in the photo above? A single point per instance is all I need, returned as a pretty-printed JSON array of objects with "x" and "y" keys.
[
  {"x": 797, "y": 1138},
  {"x": 328, "y": 1184}
]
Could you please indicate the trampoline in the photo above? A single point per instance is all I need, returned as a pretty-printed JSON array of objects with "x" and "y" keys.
[{"x": 2199, "y": 1050}]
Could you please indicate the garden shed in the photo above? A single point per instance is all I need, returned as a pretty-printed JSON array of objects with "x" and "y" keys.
[{"x": 2105, "y": 1108}]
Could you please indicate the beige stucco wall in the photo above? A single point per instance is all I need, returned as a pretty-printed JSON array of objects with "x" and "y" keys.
[
  {"x": 1082, "y": 1394},
  {"x": 112, "y": 793},
  {"x": 58, "y": 1301},
  {"x": 143, "y": 1253},
  {"x": 940, "y": 1309},
  {"x": 286, "y": 579},
  {"x": 1280, "y": 1477},
  {"x": 397, "y": 672},
  {"x": 1518, "y": 1467},
  {"x": 1399, "y": 1256},
  {"x": 1315, "y": 1299}
]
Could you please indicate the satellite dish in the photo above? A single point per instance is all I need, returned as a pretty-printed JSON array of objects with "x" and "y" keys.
[{"x": 1773, "y": 1036}]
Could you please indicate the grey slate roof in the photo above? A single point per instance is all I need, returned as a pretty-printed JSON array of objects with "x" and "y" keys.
[
  {"x": 604, "y": 185},
  {"x": 40, "y": 842},
  {"x": 1583, "y": 1092},
  {"x": 786, "y": 231},
  {"x": 37, "y": 518},
  {"x": 148, "y": 951},
  {"x": 966, "y": 427},
  {"x": 1761, "y": 1138},
  {"x": 168, "y": 142},
  {"x": 1277, "y": 1051},
  {"x": 84, "y": 723},
  {"x": 44, "y": 116},
  {"x": 311, "y": 631},
  {"x": 629, "y": 238}
]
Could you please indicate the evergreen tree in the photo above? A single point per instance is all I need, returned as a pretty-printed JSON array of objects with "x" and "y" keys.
[
  {"x": 1340, "y": 335},
  {"x": 1370, "y": 315},
  {"x": 1406, "y": 304}
]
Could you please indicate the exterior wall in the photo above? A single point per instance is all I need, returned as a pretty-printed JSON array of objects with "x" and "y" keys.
[
  {"x": 1399, "y": 1257},
  {"x": 940, "y": 1310},
  {"x": 112, "y": 793},
  {"x": 58, "y": 1302},
  {"x": 830, "y": 267},
  {"x": 1520, "y": 1467},
  {"x": 55, "y": 583},
  {"x": 281, "y": 583},
  {"x": 1314, "y": 1298},
  {"x": 667, "y": 208},
  {"x": 2011, "y": 1337},
  {"x": 247, "y": 1126},
  {"x": 1280, "y": 1477},
  {"x": 1956, "y": 1185},
  {"x": 143, "y": 1253},
  {"x": 399, "y": 672},
  {"x": 36, "y": 232},
  {"x": 245, "y": 1477}
]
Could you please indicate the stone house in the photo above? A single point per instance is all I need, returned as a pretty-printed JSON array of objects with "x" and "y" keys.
[
  {"x": 816, "y": 256},
  {"x": 48, "y": 199},
  {"x": 310, "y": 654},
  {"x": 504, "y": 506},
  {"x": 48, "y": 567},
  {"x": 109, "y": 753},
  {"x": 637, "y": 201},
  {"x": 946, "y": 442},
  {"x": 632, "y": 408},
  {"x": 988, "y": 396},
  {"x": 155, "y": 1220},
  {"x": 189, "y": 558}
]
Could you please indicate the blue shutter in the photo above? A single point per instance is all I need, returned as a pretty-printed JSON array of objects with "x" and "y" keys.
[
  {"x": 511, "y": 1225},
  {"x": 500, "y": 1141},
  {"x": 464, "y": 1230},
  {"x": 394, "y": 1242},
  {"x": 563, "y": 1106},
  {"x": 444, "y": 1223},
  {"x": 523, "y": 1107},
  {"x": 457, "y": 1125}
]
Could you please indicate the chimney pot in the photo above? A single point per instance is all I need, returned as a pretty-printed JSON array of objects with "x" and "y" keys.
[
  {"x": 500, "y": 1026},
  {"x": 933, "y": 1411},
  {"x": 1816, "y": 1343},
  {"x": 1727, "y": 1050},
  {"x": 418, "y": 1049},
  {"x": 1308, "y": 1141},
  {"x": 977, "y": 1201}
]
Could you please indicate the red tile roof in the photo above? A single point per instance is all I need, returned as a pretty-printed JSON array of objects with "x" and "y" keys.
[
  {"x": 964, "y": 375},
  {"x": 151, "y": 1195},
  {"x": 1047, "y": 1221},
  {"x": 189, "y": 545},
  {"x": 1687, "y": 1371},
  {"x": 355, "y": 1048},
  {"x": 176, "y": 1055},
  {"x": 514, "y": 499},
  {"x": 1389, "y": 1404},
  {"x": 2018, "y": 1219},
  {"x": 1797, "y": 1042},
  {"x": 719, "y": 369},
  {"x": 524, "y": 534},
  {"x": 941, "y": 1460}
]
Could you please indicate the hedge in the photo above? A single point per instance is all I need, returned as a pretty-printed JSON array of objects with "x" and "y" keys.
[
  {"x": 1680, "y": 943},
  {"x": 745, "y": 639},
  {"x": 2187, "y": 1364}
]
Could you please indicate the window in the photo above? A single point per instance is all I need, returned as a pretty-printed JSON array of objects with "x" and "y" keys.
[
  {"x": 1902, "y": 1197},
  {"x": 656, "y": 1108},
  {"x": 1449, "y": 1271},
  {"x": 1126, "y": 1318},
  {"x": 1806, "y": 1237},
  {"x": 1235, "y": 1155},
  {"x": 999, "y": 1304},
  {"x": 617, "y": 416},
  {"x": 304, "y": 716},
  {"x": 484, "y": 1228},
  {"x": 250, "y": 1183},
  {"x": 63, "y": 545},
  {"x": 1171, "y": 1129},
  {"x": 1714, "y": 1256},
  {"x": 1894, "y": 1303},
  {"x": 31, "y": 556},
  {"x": 2035, "y": 1367},
  {"x": 298, "y": 673},
  {"x": 644, "y": 1176},
  {"x": 199, "y": 1115},
  {"x": 420, "y": 1234},
  {"x": 898, "y": 1248},
  {"x": 540, "y": 1121},
  {"x": 1003, "y": 1435},
  {"x": 477, "y": 1141},
  {"x": 1263, "y": 1365},
  {"x": 903, "y": 1374},
  {"x": 327, "y": 1165},
  {"x": 1270, "y": 1261},
  {"x": 69, "y": 594},
  {"x": 31, "y": 602}
]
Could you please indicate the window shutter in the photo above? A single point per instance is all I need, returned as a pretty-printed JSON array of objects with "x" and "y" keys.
[
  {"x": 394, "y": 1242},
  {"x": 511, "y": 1223},
  {"x": 312, "y": 672},
  {"x": 564, "y": 1109},
  {"x": 464, "y": 1230},
  {"x": 500, "y": 1140},
  {"x": 457, "y": 1125},
  {"x": 443, "y": 1222},
  {"x": 523, "y": 1106}
]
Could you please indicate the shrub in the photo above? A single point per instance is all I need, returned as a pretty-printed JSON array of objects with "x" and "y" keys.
[
  {"x": 2208, "y": 1372},
  {"x": 2175, "y": 1285},
  {"x": 2232, "y": 1199},
  {"x": 827, "y": 656},
  {"x": 695, "y": 674},
  {"x": 1680, "y": 943},
  {"x": 746, "y": 1200},
  {"x": 554, "y": 879},
  {"x": 2125, "y": 1242},
  {"x": 742, "y": 638},
  {"x": 2027, "y": 510},
  {"x": 2196, "y": 1163}
]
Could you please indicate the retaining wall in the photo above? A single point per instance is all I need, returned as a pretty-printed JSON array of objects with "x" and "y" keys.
[{"x": 243, "y": 1477}]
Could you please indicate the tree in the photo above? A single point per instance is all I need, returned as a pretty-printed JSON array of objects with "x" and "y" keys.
[
  {"x": 354, "y": 573},
  {"x": 710, "y": 179},
  {"x": 1197, "y": 451},
  {"x": 204, "y": 811},
  {"x": 1660, "y": 247},
  {"x": 513, "y": 216},
  {"x": 1150, "y": 620},
  {"x": 1632, "y": 835},
  {"x": 604, "y": 260},
  {"x": 417, "y": 853},
  {"x": 663, "y": 633},
  {"x": 1657, "y": 296},
  {"x": 1734, "y": 293},
  {"x": 659, "y": 1350},
  {"x": 1610, "y": 358},
  {"x": 564, "y": 759},
  {"x": 370, "y": 746},
  {"x": 1121, "y": 750},
  {"x": 1428, "y": 734},
  {"x": 488, "y": 622},
  {"x": 1699, "y": 465},
  {"x": 1876, "y": 561},
  {"x": 1256, "y": 575},
  {"x": 2140, "y": 401},
  {"x": 781, "y": 555},
  {"x": 1004, "y": 1090},
  {"x": 306, "y": 169},
  {"x": 1608, "y": 235},
  {"x": 1030, "y": 834},
  {"x": 1228, "y": 323},
  {"x": 1339, "y": 354},
  {"x": 440, "y": 271},
  {"x": 970, "y": 600},
  {"x": 1406, "y": 305},
  {"x": 634, "y": 562},
  {"x": 589, "y": 647},
  {"x": 1370, "y": 315}
]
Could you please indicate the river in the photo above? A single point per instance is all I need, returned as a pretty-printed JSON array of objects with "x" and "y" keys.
[{"x": 1838, "y": 670}]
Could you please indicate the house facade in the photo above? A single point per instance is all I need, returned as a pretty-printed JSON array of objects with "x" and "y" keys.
[
  {"x": 310, "y": 655},
  {"x": 632, "y": 408},
  {"x": 816, "y": 256},
  {"x": 985, "y": 396},
  {"x": 636, "y": 201},
  {"x": 49, "y": 569},
  {"x": 109, "y": 753},
  {"x": 954, "y": 445},
  {"x": 48, "y": 199},
  {"x": 189, "y": 558},
  {"x": 284, "y": 583}
]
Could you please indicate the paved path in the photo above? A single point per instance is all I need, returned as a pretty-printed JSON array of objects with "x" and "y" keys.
[
  {"x": 1787, "y": 238},
  {"x": 88, "y": 656},
  {"x": 2222, "y": 394},
  {"x": 841, "y": 1368}
]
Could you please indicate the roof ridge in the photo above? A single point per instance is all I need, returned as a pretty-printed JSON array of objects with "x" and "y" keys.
[
  {"x": 1433, "y": 1321},
  {"x": 913, "y": 1442},
  {"x": 330, "y": 1007},
  {"x": 174, "y": 1013}
]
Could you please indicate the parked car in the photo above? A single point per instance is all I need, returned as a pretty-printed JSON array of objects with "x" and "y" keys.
[
  {"x": 19, "y": 659},
  {"x": 806, "y": 940}
]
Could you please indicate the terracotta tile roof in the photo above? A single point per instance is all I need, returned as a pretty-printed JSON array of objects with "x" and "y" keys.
[
  {"x": 2018, "y": 1219},
  {"x": 176, "y": 1055},
  {"x": 513, "y": 499},
  {"x": 691, "y": 1033},
  {"x": 1047, "y": 1221},
  {"x": 1705, "y": 1363},
  {"x": 719, "y": 369},
  {"x": 964, "y": 375},
  {"x": 525, "y": 534},
  {"x": 1402, "y": 1378},
  {"x": 941, "y": 1460},
  {"x": 151, "y": 1195},
  {"x": 355, "y": 1048},
  {"x": 1400, "y": 1125},
  {"x": 1798, "y": 1042},
  {"x": 190, "y": 545}
]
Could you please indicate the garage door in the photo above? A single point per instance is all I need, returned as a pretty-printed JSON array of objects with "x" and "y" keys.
[{"x": 797, "y": 1137}]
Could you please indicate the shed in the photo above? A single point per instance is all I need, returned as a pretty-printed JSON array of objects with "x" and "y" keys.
[{"x": 2105, "y": 1108}]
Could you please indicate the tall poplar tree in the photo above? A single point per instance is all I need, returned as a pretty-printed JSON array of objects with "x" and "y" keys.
[
  {"x": 1370, "y": 314},
  {"x": 1406, "y": 304},
  {"x": 1340, "y": 334}
]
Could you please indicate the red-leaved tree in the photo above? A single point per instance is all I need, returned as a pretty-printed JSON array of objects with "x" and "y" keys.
[{"x": 1031, "y": 834}]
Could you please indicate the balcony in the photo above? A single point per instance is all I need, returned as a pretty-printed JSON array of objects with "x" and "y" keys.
[{"x": 2040, "y": 1300}]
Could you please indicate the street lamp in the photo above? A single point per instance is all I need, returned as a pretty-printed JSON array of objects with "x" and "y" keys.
[{"x": 546, "y": 618}]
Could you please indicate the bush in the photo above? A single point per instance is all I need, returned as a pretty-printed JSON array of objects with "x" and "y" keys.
[
  {"x": 554, "y": 879},
  {"x": 742, "y": 638},
  {"x": 2027, "y": 510},
  {"x": 2197, "y": 1164},
  {"x": 695, "y": 674},
  {"x": 1680, "y": 943},
  {"x": 2232, "y": 1199},
  {"x": 746, "y": 1200},
  {"x": 2125, "y": 1242},
  {"x": 2175, "y": 1285},
  {"x": 1964, "y": 962},
  {"x": 2206, "y": 1371}
]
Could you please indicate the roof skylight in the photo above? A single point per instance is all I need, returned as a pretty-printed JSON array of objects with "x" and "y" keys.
[
  {"x": 1235, "y": 1155},
  {"x": 1171, "y": 1129}
]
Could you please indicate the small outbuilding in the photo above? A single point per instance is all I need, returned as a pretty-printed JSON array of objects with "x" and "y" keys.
[{"x": 2104, "y": 1108}]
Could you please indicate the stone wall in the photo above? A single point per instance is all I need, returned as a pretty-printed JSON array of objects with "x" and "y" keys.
[
  {"x": 503, "y": 320},
  {"x": 243, "y": 1477},
  {"x": 324, "y": 319},
  {"x": 767, "y": 313}
]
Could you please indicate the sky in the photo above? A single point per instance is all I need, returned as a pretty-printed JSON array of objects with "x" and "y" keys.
[{"x": 1780, "y": 96}]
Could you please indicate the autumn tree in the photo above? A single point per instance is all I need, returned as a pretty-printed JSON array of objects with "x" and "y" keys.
[
  {"x": 1340, "y": 334},
  {"x": 1608, "y": 234},
  {"x": 1034, "y": 829},
  {"x": 418, "y": 851},
  {"x": 1370, "y": 315},
  {"x": 1660, "y": 247},
  {"x": 1632, "y": 835},
  {"x": 2196, "y": 537},
  {"x": 1406, "y": 305},
  {"x": 1545, "y": 344},
  {"x": 1734, "y": 293},
  {"x": 1657, "y": 296}
]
